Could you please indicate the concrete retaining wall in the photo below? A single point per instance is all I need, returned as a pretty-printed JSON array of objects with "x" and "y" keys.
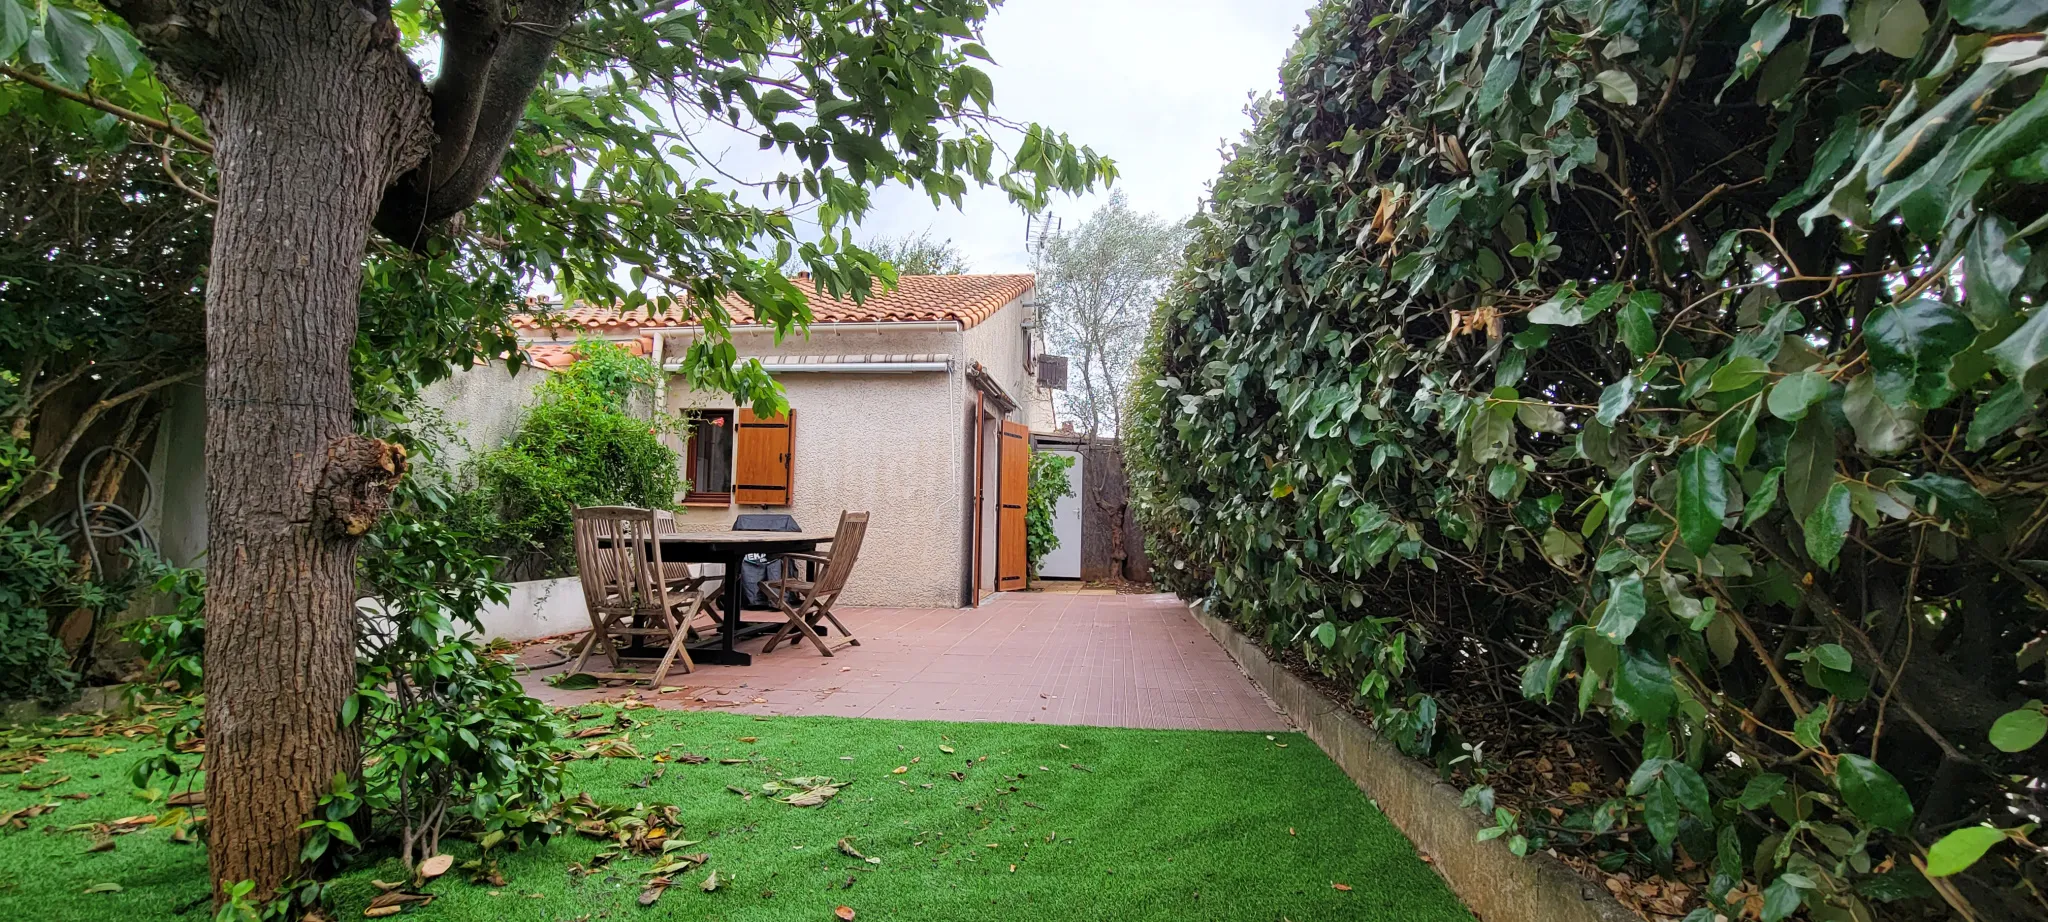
[
  {"x": 1496, "y": 885},
  {"x": 537, "y": 608}
]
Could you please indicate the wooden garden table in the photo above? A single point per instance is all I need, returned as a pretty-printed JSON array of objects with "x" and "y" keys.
[{"x": 727, "y": 547}]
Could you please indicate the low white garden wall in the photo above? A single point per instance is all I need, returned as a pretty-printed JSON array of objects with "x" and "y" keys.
[{"x": 537, "y": 608}]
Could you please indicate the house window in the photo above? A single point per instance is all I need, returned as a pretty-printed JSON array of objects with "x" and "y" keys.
[
  {"x": 735, "y": 456},
  {"x": 709, "y": 458}
]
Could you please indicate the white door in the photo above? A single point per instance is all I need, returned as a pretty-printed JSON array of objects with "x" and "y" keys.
[{"x": 1064, "y": 561}]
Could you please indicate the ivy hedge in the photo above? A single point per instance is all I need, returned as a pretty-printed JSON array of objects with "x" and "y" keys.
[{"x": 1657, "y": 377}]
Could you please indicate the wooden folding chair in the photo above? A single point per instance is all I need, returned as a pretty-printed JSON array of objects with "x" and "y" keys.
[
  {"x": 624, "y": 589},
  {"x": 815, "y": 598},
  {"x": 690, "y": 578}
]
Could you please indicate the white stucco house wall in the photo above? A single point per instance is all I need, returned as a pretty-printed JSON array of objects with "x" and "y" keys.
[{"x": 897, "y": 407}]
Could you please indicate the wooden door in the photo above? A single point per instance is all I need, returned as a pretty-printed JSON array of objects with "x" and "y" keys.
[
  {"x": 1013, "y": 464},
  {"x": 762, "y": 463}
]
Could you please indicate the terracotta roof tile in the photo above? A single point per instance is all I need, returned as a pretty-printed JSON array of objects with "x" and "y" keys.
[{"x": 965, "y": 299}]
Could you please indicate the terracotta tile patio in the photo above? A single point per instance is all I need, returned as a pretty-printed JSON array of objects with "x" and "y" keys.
[{"x": 1043, "y": 657}]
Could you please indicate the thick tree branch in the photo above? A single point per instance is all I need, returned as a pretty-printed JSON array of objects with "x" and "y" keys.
[
  {"x": 468, "y": 40},
  {"x": 411, "y": 208}
]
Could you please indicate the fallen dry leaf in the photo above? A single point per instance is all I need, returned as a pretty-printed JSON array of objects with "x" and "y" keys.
[
  {"x": 436, "y": 866},
  {"x": 845, "y": 913},
  {"x": 1344, "y": 887}
]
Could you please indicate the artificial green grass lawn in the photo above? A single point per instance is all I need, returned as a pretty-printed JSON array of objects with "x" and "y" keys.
[{"x": 1163, "y": 825}]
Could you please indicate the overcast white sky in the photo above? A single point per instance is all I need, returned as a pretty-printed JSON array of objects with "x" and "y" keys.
[{"x": 1156, "y": 85}]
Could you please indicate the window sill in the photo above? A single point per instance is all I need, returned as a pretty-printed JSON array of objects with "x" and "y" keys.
[{"x": 708, "y": 501}]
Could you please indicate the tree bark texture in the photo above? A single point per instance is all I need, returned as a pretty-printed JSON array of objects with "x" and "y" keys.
[{"x": 313, "y": 111}]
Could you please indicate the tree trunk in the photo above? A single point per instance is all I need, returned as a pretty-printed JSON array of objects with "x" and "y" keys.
[{"x": 313, "y": 110}]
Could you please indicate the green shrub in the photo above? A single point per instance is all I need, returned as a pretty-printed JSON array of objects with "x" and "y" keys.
[
  {"x": 581, "y": 445},
  {"x": 1542, "y": 396},
  {"x": 1048, "y": 485},
  {"x": 451, "y": 741},
  {"x": 37, "y": 580}
]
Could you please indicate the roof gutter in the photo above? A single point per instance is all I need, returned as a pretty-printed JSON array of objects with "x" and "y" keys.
[
  {"x": 851, "y": 368},
  {"x": 876, "y": 326}
]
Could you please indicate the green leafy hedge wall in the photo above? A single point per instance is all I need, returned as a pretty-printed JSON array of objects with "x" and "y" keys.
[{"x": 1658, "y": 376}]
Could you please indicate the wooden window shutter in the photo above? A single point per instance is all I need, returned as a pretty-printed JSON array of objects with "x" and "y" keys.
[{"x": 764, "y": 458}]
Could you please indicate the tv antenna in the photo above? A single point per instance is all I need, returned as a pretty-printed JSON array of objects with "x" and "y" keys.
[{"x": 1037, "y": 228}]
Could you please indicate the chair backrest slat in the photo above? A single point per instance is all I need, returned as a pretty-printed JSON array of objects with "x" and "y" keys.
[
  {"x": 617, "y": 558},
  {"x": 853, "y": 528}
]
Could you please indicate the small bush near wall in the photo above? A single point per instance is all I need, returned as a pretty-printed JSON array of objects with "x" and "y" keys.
[
  {"x": 1634, "y": 405},
  {"x": 1049, "y": 484},
  {"x": 581, "y": 445}
]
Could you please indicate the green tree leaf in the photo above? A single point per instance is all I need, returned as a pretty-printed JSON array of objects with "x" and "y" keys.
[
  {"x": 1995, "y": 258},
  {"x": 1764, "y": 498},
  {"x": 1881, "y": 428},
  {"x": 1807, "y": 729},
  {"x": 13, "y": 28},
  {"x": 1781, "y": 898},
  {"x": 1739, "y": 372},
  {"x": 1999, "y": 413},
  {"x": 1794, "y": 393},
  {"x": 1625, "y": 607},
  {"x": 1911, "y": 348},
  {"x": 2019, "y": 730},
  {"x": 1638, "y": 329},
  {"x": 1834, "y": 656},
  {"x": 1999, "y": 15},
  {"x": 1873, "y": 793},
  {"x": 1616, "y": 398},
  {"x": 1702, "y": 498},
  {"x": 1827, "y": 529},
  {"x": 2021, "y": 355},
  {"x": 1955, "y": 852},
  {"x": 1954, "y": 500},
  {"x": 1760, "y": 789},
  {"x": 1617, "y": 87},
  {"x": 1642, "y": 683},
  {"x": 1809, "y": 464}
]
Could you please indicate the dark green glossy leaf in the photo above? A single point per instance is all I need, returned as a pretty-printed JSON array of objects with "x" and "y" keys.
[
  {"x": 1999, "y": 413},
  {"x": 1616, "y": 398},
  {"x": 1702, "y": 498},
  {"x": 1955, "y": 500},
  {"x": 1637, "y": 324},
  {"x": 1764, "y": 498},
  {"x": 1760, "y": 789},
  {"x": 1626, "y": 605},
  {"x": 1911, "y": 347},
  {"x": 1642, "y": 683},
  {"x": 1827, "y": 529},
  {"x": 1809, "y": 464},
  {"x": 1781, "y": 899},
  {"x": 1873, "y": 793},
  {"x": 1995, "y": 259}
]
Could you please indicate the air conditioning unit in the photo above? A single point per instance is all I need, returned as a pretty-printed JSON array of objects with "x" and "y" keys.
[{"x": 1052, "y": 372}]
